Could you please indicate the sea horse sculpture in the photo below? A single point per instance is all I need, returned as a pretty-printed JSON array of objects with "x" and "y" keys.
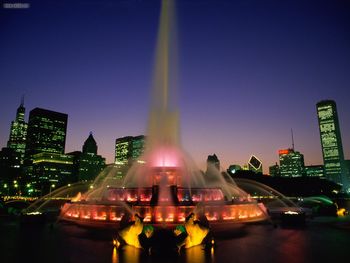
[
  {"x": 192, "y": 233},
  {"x": 130, "y": 234}
]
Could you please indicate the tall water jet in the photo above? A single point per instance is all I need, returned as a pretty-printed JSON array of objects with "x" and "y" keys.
[{"x": 163, "y": 127}]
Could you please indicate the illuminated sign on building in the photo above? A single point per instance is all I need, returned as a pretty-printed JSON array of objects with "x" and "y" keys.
[{"x": 280, "y": 152}]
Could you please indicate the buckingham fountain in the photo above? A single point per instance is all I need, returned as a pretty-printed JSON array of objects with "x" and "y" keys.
[
  {"x": 164, "y": 186},
  {"x": 163, "y": 189}
]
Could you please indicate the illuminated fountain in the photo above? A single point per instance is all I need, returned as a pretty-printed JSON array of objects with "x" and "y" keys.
[{"x": 164, "y": 186}]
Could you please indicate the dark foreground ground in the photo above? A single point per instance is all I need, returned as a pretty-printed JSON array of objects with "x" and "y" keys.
[{"x": 324, "y": 239}]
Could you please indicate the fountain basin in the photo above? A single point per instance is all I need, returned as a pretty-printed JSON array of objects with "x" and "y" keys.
[{"x": 108, "y": 214}]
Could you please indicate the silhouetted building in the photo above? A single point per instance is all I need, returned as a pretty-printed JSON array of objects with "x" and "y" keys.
[
  {"x": 314, "y": 171},
  {"x": 291, "y": 163},
  {"x": 332, "y": 148},
  {"x": 88, "y": 164},
  {"x": 274, "y": 170},
  {"x": 290, "y": 186},
  {"x": 46, "y": 132},
  {"x": 18, "y": 133},
  {"x": 213, "y": 160},
  {"x": 255, "y": 165},
  {"x": 128, "y": 149}
]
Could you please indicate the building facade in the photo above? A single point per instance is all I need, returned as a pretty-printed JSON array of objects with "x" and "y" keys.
[
  {"x": 10, "y": 165},
  {"x": 291, "y": 163},
  {"x": 45, "y": 164},
  {"x": 314, "y": 171},
  {"x": 51, "y": 170},
  {"x": 128, "y": 149},
  {"x": 274, "y": 170},
  {"x": 46, "y": 132},
  {"x": 331, "y": 143}
]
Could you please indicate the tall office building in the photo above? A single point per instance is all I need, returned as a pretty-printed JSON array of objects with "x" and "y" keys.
[
  {"x": 128, "y": 149},
  {"x": 332, "y": 148},
  {"x": 291, "y": 163},
  {"x": 46, "y": 132},
  {"x": 18, "y": 133},
  {"x": 45, "y": 164}
]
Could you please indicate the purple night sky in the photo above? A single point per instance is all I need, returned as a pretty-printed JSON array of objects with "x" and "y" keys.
[{"x": 249, "y": 71}]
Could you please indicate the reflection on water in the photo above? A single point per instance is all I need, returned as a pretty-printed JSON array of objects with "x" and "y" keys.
[
  {"x": 319, "y": 241},
  {"x": 114, "y": 255},
  {"x": 195, "y": 254},
  {"x": 300, "y": 252},
  {"x": 129, "y": 254}
]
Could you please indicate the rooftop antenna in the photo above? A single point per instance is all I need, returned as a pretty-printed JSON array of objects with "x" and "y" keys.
[
  {"x": 291, "y": 130},
  {"x": 22, "y": 100}
]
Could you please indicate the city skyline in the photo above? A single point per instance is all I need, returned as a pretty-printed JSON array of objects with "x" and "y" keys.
[{"x": 252, "y": 99}]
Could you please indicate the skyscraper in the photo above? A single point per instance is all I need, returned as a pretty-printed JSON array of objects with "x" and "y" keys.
[
  {"x": 291, "y": 163},
  {"x": 332, "y": 148},
  {"x": 46, "y": 132},
  {"x": 18, "y": 133},
  {"x": 46, "y": 165},
  {"x": 128, "y": 149}
]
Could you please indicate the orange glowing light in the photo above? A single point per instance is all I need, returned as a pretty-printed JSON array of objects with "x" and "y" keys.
[
  {"x": 170, "y": 218},
  {"x": 285, "y": 151},
  {"x": 181, "y": 217},
  {"x": 147, "y": 217}
]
